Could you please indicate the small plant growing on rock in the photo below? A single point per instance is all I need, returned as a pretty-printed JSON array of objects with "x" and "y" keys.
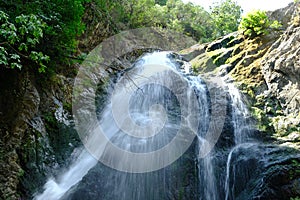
[{"x": 257, "y": 23}]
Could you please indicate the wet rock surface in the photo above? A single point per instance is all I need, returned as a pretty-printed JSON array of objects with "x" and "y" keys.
[
  {"x": 37, "y": 136},
  {"x": 36, "y": 131},
  {"x": 266, "y": 71}
]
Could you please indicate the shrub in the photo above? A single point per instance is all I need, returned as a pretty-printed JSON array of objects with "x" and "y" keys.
[
  {"x": 254, "y": 23},
  {"x": 257, "y": 23}
]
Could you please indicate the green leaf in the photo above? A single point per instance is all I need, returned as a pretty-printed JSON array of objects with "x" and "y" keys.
[
  {"x": 22, "y": 47},
  {"x": 3, "y": 16},
  {"x": 42, "y": 68},
  {"x": 16, "y": 65},
  {"x": 3, "y": 56},
  {"x": 15, "y": 56},
  {"x": 276, "y": 25},
  {"x": 34, "y": 56}
]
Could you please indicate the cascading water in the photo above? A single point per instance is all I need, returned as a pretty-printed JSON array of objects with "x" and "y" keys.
[
  {"x": 239, "y": 115},
  {"x": 55, "y": 188},
  {"x": 156, "y": 107},
  {"x": 145, "y": 105},
  {"x": 206, "y": 174},
  {"x": 241, "y": 134}
]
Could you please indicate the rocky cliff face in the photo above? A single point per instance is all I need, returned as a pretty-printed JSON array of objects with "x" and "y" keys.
[
  {"x": 36, "y": 134},
  {"x": 19, "y": 103},
  {"x": 36, "y": 127},
  {"x": 266, "y": 70},
  {"x": 36, "y": 130},
  {"x": 281, "y": 70}
]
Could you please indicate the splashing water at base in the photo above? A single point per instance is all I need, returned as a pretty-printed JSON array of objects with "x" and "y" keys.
[{"x": 55, "y": 189}]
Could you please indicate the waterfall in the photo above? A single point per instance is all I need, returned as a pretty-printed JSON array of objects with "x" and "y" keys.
[
  {"x": 239, "y": 114},
  {"x": 205, "y": 166},
  {"x": 55, "y": 188},
  {"x": 157, "y": 117},
  {"x": 168, "y": 110},
  {"x": 241, "y": 133}
]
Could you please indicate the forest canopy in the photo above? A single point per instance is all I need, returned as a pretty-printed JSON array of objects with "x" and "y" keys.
[{"x": 44, "y": 33}]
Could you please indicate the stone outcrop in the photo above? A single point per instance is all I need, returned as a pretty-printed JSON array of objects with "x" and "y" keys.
[
  {"x": 36, "y": 135},
  {"x": 281, "y": 70},
  {"x": 266, "y": 69},
  {"x": 14, "y": 117}
]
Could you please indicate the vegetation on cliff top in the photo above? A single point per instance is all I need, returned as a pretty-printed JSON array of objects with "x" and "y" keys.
[
  {"x": 257, "y": 23},
  {"x": 246, "y": 57},
  {"x": 44, "y": 34}
]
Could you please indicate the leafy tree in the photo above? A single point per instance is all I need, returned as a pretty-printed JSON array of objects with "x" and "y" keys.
[
  {"x": 134, "y": 13},
  {"x": 190, "y": 19},
  {"x": 19, "y": 40},
  {"x": 159, "y": 17},
  {"x": 61, "y": 21},
  {"x": 226, "y": 15},
  {"x": 187, "y": 18},
  {"x": 141, "y": 12}
]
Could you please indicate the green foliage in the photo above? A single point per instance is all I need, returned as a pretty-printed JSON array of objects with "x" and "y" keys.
[
  {"x": 139, "y": 13},
  {"x": 64, "y": 19},
  {"x": 226, "y": 15},
  {"x": 21, "y": 173},
  {"x": 35, "y": 31},
  {"x": 263, "y": 122},
  {"x": 186, "y": 18},
  {"x": 257, "y": 23},
  {"x": 190, "y": 19},
  {"x": 275, "y": 25},
  {"x": 47, "y": 27},
  {"x": 19, "y": 38}
]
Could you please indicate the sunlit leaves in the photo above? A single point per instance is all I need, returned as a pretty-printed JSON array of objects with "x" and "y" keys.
[
  {"x": 257, "y": 23},
  {"x": 3, "y": 56},
  {"x": 226, "y": 15},
  {"x": 186, "y": 18},
  {"x": 18, "y": 38},
  {"x": 49, "y": 27}
]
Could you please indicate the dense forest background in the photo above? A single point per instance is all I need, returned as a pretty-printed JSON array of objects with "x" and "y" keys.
[{"x": 44, "y": 34}]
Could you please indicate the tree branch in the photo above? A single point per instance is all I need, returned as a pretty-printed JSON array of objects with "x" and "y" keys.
[{"x": 23, "y": 55}]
